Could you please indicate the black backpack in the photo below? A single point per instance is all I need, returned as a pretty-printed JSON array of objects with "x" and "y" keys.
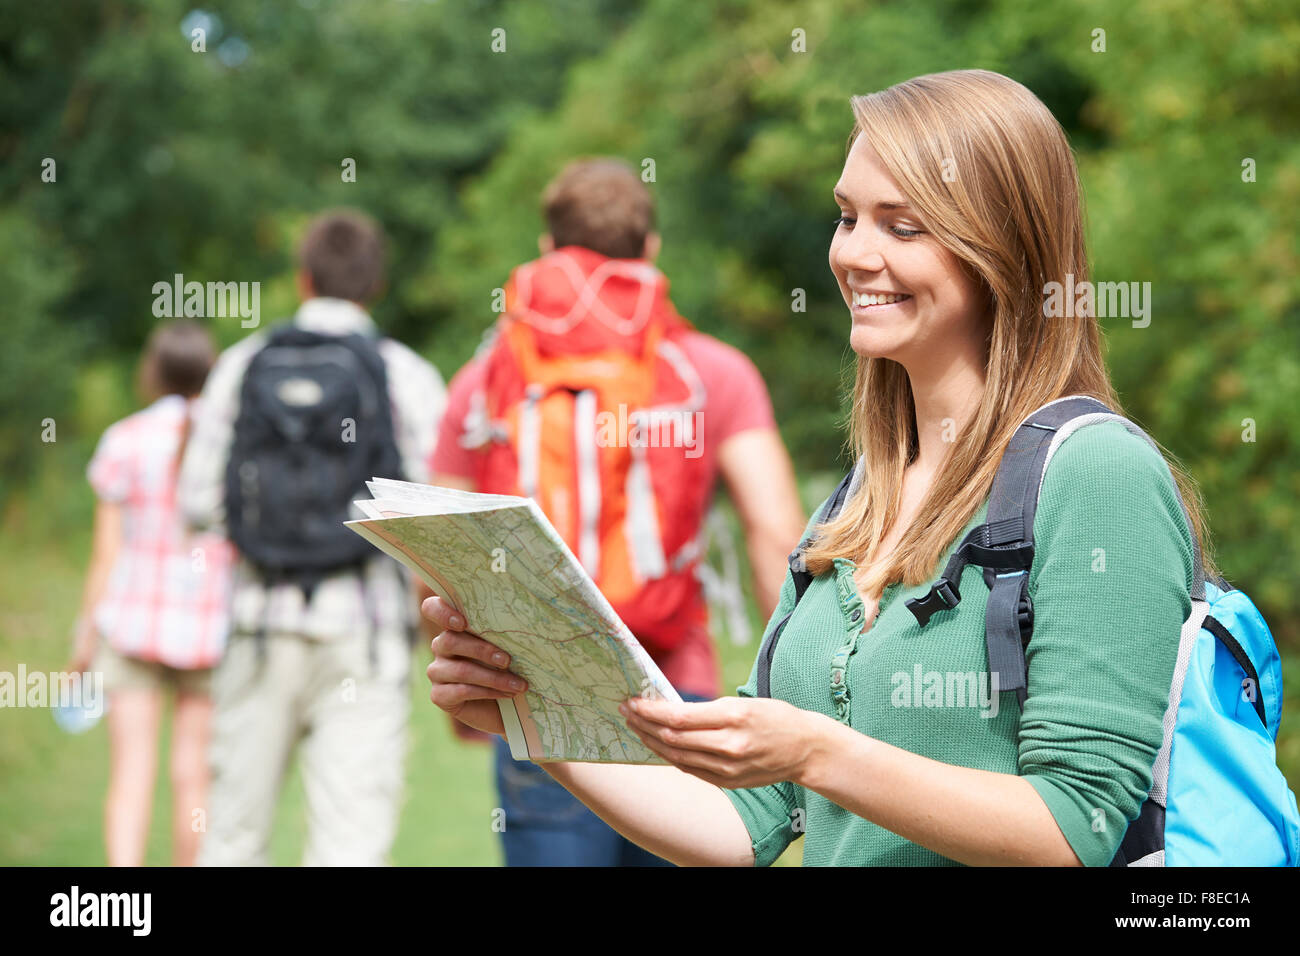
[{"x": 314, "y": 426}]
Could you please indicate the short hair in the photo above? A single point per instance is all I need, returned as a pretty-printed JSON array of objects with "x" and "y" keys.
[
  {"x": 343, "y": 255},
  {"x": 602, "y": 205},
  {"x": 177, "y": 359}
]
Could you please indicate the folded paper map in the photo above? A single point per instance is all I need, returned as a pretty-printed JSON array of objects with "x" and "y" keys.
[{"x": 498, "y": 561}]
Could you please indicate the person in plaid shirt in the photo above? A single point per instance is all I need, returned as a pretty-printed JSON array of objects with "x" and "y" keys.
[
  {"x": 329, "y": 672},
  {"x": 154, "y": 613}
]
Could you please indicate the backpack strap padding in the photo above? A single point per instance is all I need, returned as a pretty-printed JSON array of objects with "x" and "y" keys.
[
  {"x": 1008, "y": 531},
  {"x": 1004, "y": 635},
  {"x": 1013, "y": 505}
]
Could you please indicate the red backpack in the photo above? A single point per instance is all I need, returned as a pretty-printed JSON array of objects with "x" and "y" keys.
[{"x": 595, "y": 412}]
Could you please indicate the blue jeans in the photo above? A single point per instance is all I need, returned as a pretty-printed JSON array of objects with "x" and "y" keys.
[{"x": 545, "y": 825}]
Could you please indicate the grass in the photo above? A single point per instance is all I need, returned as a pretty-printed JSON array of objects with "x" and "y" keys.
[{"x": 52, "y": 784}]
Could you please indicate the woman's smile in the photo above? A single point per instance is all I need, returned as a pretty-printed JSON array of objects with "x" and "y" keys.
[{"x": 864, "y": 303}]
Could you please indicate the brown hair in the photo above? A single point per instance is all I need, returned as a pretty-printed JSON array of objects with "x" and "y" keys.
[
  {"x": 1014, "y": 217},
  {"x": 176, "y": 359},
  {"x": 602, "y": 205},
  {"x": 343, "y": 255}
]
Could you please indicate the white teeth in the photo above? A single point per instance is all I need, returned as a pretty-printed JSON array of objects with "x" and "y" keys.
[{"x": 868, "y": 298}]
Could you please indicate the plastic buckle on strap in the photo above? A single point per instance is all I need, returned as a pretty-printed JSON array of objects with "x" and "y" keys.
[
  {"x": 795, "y": 559},
  {"x": 1025, "y": 617},
  {"x": 941, "y": 597}
]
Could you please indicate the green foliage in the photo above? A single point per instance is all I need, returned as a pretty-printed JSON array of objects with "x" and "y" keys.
[
  {"x": 38, "y": 363},
  {"x": 747, "y": 137},
  {"x": 208, "y": 165},
  {"x": 169, "y": 160}
]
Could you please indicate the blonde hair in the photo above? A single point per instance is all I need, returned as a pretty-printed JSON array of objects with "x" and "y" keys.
[{"x": 1013, "y": 216}]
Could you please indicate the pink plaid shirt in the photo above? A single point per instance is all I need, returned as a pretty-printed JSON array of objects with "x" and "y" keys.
[{"x": 168, "y": 595}]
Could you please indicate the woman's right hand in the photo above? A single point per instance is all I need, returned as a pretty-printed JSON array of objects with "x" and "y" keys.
[
  {"x": 468, "y": 674},
  {"x": 85, "y": 641}
]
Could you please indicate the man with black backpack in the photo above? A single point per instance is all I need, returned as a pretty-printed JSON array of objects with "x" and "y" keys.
[{"x": 290, "y": 426}]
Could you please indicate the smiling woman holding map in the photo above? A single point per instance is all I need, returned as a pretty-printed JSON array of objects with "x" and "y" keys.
[{"x": 889, "y": 724}]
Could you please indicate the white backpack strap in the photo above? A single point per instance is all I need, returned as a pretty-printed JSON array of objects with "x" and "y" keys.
[
  {"x": 530, "y": 440},
  {"x": 642, "y": 521},
  {"x": 588, "y": 471},
  {"x": 676, "y": 358},
  {"x": 722, "y": 586},
  {"x": 477, "y": 426}
]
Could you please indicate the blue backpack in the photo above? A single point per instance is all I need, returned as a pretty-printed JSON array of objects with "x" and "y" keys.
[{"x": 1217, "y": 796}]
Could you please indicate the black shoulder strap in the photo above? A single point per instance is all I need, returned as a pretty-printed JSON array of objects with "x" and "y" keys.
[
  {"x": 1004, "y": 545},
  {"x": 286, "y": 333},
  {"x": 801, "y": 579}
]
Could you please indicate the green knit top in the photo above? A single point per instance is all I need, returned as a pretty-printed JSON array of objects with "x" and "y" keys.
[{"x": 1110, "y": 582}]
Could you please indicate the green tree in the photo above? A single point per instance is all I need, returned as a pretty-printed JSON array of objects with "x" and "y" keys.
[
  {"x": 743, "y": 108},
  {"x": 168, "y": 158}
]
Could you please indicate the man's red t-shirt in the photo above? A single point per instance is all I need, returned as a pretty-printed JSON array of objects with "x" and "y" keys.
[{"x": 736, "y": 400}]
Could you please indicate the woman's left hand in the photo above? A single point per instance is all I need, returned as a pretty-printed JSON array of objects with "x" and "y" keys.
[{"x": 733, "y": 742}]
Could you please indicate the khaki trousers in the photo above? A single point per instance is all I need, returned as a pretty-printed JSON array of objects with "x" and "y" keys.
[{"x": 350, "y": 720}]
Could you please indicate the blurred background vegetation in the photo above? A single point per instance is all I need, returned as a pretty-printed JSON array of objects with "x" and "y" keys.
[{"x": 173, "y": 161}]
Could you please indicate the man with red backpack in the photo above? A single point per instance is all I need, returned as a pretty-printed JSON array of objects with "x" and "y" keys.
[{"x": 596, "y": 398}]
